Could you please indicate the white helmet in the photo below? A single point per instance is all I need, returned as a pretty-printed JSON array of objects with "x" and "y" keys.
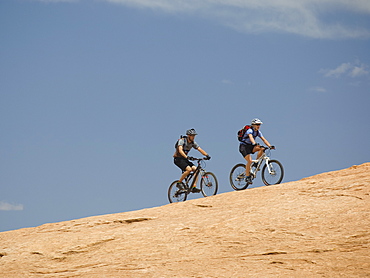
[{"x": 256, "y": 121}]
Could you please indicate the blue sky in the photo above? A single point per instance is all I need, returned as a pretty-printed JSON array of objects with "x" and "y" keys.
[{"x": 94, "y": 94}]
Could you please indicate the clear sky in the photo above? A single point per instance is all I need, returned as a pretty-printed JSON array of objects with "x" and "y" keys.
[{"x": 94, "y": 94}]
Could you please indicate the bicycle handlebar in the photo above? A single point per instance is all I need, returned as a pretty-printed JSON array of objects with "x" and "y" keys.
[
  {"x": 198, "y": 159},
  {"x": 268, "y": 148}
]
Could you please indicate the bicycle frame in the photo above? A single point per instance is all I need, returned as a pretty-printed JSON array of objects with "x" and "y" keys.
[
  {"x": 193, "y": 175},
  {"x": 264, "y": 158}
]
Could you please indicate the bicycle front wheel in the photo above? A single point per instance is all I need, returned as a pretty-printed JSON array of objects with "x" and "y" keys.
[
  {"x": 272, "y": 172},
  {"x": 237, "y": 177},
  {"x": 208, "y": 184},
  {"x": 176, "y": 194}
]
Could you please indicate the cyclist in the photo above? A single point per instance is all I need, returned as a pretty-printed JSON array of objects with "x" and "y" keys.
[
  {"x": 181, "y": 158},
  {"x": 249, "y": 146}
]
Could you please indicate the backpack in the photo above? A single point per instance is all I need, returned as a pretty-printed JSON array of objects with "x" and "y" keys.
[
  {"x": 242, "y": 131},
  {"x": 177, "y": 142}
]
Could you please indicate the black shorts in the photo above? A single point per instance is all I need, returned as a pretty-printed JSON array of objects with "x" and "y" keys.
[
  {"x": 182, "y": 163},
  {"x": 246, "y": 149}
]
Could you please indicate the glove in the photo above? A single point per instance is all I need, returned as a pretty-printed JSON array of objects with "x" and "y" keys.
[
  {"x": 207, "y": 157},
  {"x": 191, "y": 158},
  {"x": 272, "y": 147}
]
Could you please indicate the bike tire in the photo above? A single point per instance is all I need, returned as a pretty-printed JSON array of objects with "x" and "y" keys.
[
  {"x": 276, "y": 177},
  {"x": 208, "y": 184},
  {"x": 174, "y": 194},
  {"x": 238, "y": 184}
]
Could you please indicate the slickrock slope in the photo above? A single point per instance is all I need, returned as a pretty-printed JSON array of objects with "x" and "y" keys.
[{"x": 316, "y": 227}]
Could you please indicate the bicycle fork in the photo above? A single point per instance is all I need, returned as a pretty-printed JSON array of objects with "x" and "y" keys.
[
  {"x": 270, "y": 168},
  {"x": 205, "y": 178}
]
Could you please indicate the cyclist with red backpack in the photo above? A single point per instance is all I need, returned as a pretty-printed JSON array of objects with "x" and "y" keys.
[
  {"x": 181, "y": 158},
  {"x": 249, "y": 146}
]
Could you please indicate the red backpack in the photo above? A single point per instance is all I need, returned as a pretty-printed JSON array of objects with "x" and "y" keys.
[{"x": 242, "y": 131}]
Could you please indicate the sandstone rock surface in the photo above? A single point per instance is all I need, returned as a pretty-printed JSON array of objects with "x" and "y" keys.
[{"x": 315, "y": 227}]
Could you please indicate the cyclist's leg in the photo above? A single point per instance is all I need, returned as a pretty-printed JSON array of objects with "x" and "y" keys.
[
  {"x": 258, "y": 149},
  {"x": 185, "y": 165},
  {"x": 248, "y": 158},
  {"x": 246, "y": 151},
  {"x": 186, "y": 172},
  {"x": 193, "y": 168},
  {"x": 194, "y": 188}
]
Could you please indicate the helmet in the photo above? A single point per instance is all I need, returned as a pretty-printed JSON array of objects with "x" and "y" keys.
[
  {"x": 256, "y": 121},
  {"x": 191, "y": 132}
]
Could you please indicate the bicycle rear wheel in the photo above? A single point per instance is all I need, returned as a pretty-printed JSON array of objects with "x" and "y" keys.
[
  {"x": 208, "y": 184},
  {"x": 175, "y": 194},
  {"x": 276, "y": 174},
  {"x": 237, "y": 177}
]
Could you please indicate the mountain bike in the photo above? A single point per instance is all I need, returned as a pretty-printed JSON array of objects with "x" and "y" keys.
[
  {"x": 208, "y": 183},
  {"x": 272, "y": 171}
]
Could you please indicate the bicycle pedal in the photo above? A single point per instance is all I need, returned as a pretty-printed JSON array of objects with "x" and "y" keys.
[
  {"x": 179, "y": 192},
  {"x": 240, "y": 177}
]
